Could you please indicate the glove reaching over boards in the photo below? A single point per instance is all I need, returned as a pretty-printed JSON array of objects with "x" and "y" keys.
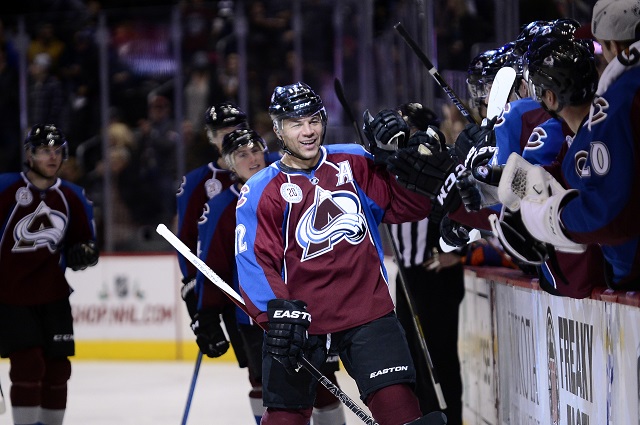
[
  {"x": 287, "y": 335},
  {"x": 432, "y": 174},
  {"x": 475, "y": 136}
]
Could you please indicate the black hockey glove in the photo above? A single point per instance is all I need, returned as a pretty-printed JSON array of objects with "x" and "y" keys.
[
  {"x": 287, "y": 334},
  {"x": 209, "y": 335},
  {"x": 188, "y": 293},
  {"x": 478, "y": 188},
  {"x": 454, "y": 233},
  {"x": 386, "y": 132},
  {"x": 474, "y": 135},
  {"x": 82, "y": 255},
  {"x": 431, "y": 174},
  {"x": 432, "y": 138},
  {"x": 516, "y": 239}
]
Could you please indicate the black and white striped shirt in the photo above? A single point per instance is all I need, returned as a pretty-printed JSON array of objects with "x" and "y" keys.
[{"x": 414, "y": 241}]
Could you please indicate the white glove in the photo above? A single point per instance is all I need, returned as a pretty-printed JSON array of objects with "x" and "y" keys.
[
  {"x": 520, "y": 179},
  {"x": 541, "y": 217}
]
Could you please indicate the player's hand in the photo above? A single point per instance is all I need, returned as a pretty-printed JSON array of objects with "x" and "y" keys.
[
  {"x": 386, "y": 132},
  {"x": 287, "y": 334},
  {"x": 474, "y": 135},
  {"x": 82, "y": 255},
  {"x": 453, "y": 233},
  {"x": 209, "y": 334},
  {"x": 432, "y": 138},
  {"x": 516, "y": 239},
  {"x": 431, "y": 174}
]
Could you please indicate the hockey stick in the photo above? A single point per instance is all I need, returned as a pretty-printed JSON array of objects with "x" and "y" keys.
[
  {"x": 434, "y": 72},
  {"x": 3, "y": 404},
  {"x": 192, "y": 388},
  {"x": 239, "y": 302},
  {"x": 396, "y": 253},
  {"x": 347, "y": 109}
]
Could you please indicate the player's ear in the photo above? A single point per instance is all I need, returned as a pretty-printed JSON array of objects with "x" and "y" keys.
[{"x": 277, "y": 131}]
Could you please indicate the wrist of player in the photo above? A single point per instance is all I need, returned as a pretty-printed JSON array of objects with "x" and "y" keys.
[{"x": 189, "y": 296}]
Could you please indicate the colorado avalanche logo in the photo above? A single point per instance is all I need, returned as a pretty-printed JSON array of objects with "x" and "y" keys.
[
  {"x": 334, "y": 216},
  {"x": 536, "y": 139},
  {"x": 44, "y": 227}
]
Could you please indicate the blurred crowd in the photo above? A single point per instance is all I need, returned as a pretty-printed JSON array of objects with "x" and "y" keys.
[{"x": 142, "y": 154}]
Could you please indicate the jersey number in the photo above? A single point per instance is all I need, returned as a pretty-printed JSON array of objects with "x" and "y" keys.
[{"x": 241, "y": 245}]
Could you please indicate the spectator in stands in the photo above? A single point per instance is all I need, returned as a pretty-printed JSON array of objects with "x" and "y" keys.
[
  {"x": 9, "y": 115},
  {"x": 153, "y": 165},
  {"x": 46, "y": 41},
  {"x": 47, "y": 99}
]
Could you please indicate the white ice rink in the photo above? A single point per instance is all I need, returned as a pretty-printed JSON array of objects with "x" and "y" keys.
[{"x": 155, "y": 393}]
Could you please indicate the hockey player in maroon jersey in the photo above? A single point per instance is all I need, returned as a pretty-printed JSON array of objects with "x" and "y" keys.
[
  {"x": 47, "y": 226},
  {"x": 310, "y": 267}
]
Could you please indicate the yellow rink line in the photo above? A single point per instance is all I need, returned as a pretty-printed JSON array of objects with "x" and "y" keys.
[{"x": 142, "y": 350}]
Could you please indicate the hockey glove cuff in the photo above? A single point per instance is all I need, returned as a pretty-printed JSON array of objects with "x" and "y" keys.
[
  {"x": 516, "y": 239},
  {"x": 541, "y": 217},
  {"x": 287, "y": 334},
  {"x": 209, "y": 334},
  {"x": 188, "y": 294}
]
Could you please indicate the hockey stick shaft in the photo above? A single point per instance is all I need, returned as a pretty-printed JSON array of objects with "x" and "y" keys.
[
  {"x": 192, "y": 388},
  {"x": 3, "y": 403},
  {"x": 238, "y": 301},
  {"x": 423, "y": 344},
  {"x": 434, "y": 72},
  {"x": 347, "y": 109}
]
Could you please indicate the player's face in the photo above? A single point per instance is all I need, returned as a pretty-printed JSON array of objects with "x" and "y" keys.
[
  {"x": 303, "y": 137},
  {"x": 248, "y": 160},
  {"x": 47, "y": 160}
]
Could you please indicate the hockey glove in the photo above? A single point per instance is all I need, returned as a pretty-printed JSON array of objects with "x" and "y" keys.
[
  {"x": 474, "y": 190},
  {"x": 82, "y": 255},
  {"x": 209, "y": 335},
  {"x": 474, "y": 136},
  {"x": 188, "y": 293},
  {"x": 287, "y": 334},
  {"x": 432, "y": 138},
  {"x": 386, "y": 132},
  {"x": 454, "y": 234},
  {"x": 541, "y": 217},
  {"x": 516, "y": 239},
  {"x": 431, "y": 174}
]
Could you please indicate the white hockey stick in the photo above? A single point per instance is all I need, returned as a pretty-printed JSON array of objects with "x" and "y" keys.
[
  {"x": 498, "y": 97},
  {"x": 238, "y": 301},
  {"x": 3, "y": 404},
  {"x": 500, "y": 92}
]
